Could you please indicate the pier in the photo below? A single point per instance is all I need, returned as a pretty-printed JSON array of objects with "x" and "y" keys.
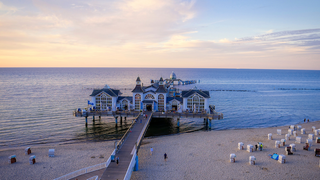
[
  {"x": 127, "y": 147},
  {"x": 159, "y": 100}
]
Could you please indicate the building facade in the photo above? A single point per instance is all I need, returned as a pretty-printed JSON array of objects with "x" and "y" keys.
[{"x": 159, "y": 96}]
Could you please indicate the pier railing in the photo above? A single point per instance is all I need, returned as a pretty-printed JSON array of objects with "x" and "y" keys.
[
  {"x": 105, "y": 113},
  {"x": 131, "y": 165},
  {"x": 188, "y": 114},
  {"x": 121, "y": 141},
  {"x": 143, "y": 132},
  {"x": 87, "y": 169}
]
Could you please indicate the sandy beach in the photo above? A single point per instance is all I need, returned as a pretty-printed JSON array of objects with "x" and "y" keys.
[
  {"x": 205, "y": 155},
  {"x": 68, "y": 158},
  {"x": 196, "y": 155}
]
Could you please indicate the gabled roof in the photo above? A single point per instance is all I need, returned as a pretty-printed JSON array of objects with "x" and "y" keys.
[
  {"x": 154, "y": 85},
  {"x": 125, "y": 97},
  {"x": 174, "y": 98},
  {"x": 149, "y": 91},
  {"x": 137, "y": 89},
  {"x": 161, "y": 89},
  {"x": 204, "y": 94},
  {"x": 111, "y": 92}
]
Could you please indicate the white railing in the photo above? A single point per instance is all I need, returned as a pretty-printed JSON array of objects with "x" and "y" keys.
[
  {"x": 87, "y": 169},
  {"x": 120, "y": 143},
  {"x": 131, "y": 166},
  {"x": 93, "y": 178},
  {"x": 143, "y": 130}
]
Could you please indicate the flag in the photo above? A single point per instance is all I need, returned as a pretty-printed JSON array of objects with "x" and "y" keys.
[{"x": 90, "y": 103}]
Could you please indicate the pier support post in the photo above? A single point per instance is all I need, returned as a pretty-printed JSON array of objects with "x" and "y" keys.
[
  {"x": 86, "y": 121},
  {"x": 120, "y": 120},
  {"x": 116, "y": 120},
  {"x": 125, "y": 118},
  {"x": 136, "y": 167},
  {"x": 99, "y": 118},
  {"x": 209, "y": 124},
  {"x": 178, "y": 122}
]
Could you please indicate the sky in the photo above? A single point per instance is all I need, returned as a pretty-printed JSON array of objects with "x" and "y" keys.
[{"x": 246, "y": 34}]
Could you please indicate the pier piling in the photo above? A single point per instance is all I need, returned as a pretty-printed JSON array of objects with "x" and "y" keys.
[
  {"x": 178, "y": 122},
  {"x": 136, "y": 167},
  {"x": 86, "y": 121},
  {"x": 116, "y": 120}
]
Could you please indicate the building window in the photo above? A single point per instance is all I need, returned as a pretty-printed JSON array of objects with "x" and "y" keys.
[
  {"x": 149, "y": 96},
  {"x": 137, "y": 99},
  {"x": 161, "y": 102},
  {"x": 195, "y": 103},
  {"x": 103, "y": 101}
]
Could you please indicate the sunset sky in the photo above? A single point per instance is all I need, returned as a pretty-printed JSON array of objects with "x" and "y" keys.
[{"x": 273, "y": 34}]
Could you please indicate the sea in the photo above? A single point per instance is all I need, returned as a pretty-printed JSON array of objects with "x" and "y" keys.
[{"x": 37, "y": 104}]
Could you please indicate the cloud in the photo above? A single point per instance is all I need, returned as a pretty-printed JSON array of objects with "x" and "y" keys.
[
  {"x": 133, "y": 32},
  {"x": 118, "y": 22},
  {"x": 7, "y": 10},
  {"x": 270, "y": 31}
]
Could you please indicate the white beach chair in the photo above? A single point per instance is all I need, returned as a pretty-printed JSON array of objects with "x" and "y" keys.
[
  {"x": 240, "y": 146},
  {"x": 27, "y": 151},
  {"x": 252, "y": 160},
  {"x": 32, "y": 159},
  {"x": 279, "y": 131},
  {"x": 298, "y": 139},
  {"x": 309, "y": 141},
  {"x": 282, "y": 159},
  {"x": 311, "y": 136},
  {"x": 51, "y": 153},
  {"x": 232, "y": 158}
]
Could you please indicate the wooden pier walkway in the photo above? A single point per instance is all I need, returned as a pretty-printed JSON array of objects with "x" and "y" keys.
[
  {"x": 130, "y": 142},
  {"x": 114, "y": 171}
]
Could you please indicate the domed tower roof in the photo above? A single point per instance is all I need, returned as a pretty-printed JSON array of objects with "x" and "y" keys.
[
  {"x": 106, "y": 87},
  {"x": 173, "y": 76},
  {"x": 138, "y": 79},
  {"x": 161, "y": 79}
]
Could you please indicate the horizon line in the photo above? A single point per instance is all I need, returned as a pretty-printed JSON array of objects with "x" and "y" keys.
[{"x": 169, "y": 68}]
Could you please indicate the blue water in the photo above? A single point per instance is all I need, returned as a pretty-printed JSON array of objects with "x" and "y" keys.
[{"x": 37, "y": 103}]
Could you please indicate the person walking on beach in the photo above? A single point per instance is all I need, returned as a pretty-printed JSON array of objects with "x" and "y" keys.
[
  {"x": 304, "y": 119},
  {"x": 165, "y": 156},
  {"x": 308, "y": 120},
  {"x": 117, "y": 160},
  {"x": 151, "y": 151}
]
